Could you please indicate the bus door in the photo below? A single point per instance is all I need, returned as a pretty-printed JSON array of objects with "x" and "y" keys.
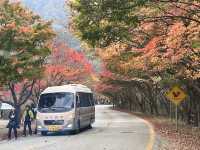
[{"x": 77, "y": 109}]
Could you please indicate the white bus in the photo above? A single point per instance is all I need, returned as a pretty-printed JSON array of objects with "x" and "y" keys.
[{"x": 65, "y": 108}]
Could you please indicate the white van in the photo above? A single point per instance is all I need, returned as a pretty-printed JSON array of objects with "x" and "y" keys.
[{"x": 65, "y": 108}]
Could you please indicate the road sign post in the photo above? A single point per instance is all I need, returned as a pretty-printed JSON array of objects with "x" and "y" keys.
[
  {"x": 176, "y": 95},
  {"x": 176, "y": 118},
  {"x": 170, "y": 110}
]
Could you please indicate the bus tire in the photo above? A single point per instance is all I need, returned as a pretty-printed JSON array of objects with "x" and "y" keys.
[
  {"x": 44, "y": 133},
  {"x": 90, "y": 126}
]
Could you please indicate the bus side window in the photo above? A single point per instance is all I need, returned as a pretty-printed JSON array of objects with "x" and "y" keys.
[
  {"x": 84, "y": 99},
  {"x": 91, "y": 99}
]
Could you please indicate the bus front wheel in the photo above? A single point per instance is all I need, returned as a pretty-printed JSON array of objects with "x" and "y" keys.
[{"x": 44, "y": 133}]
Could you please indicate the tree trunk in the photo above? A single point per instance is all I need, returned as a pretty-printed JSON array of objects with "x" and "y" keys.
[{"x": 18, "y": 113}]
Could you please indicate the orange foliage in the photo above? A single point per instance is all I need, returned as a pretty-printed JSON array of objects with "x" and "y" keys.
[
  {"x": 25, "y": 29},
  {"x": 175, "y": 35},
  {"x": 66, "y": 64}
]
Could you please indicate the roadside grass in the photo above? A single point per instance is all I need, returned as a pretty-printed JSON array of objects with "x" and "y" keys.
[{"x": 186, "y": 138}]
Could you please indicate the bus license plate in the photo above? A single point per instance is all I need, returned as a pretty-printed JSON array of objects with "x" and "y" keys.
[{"x": 53, "y": 128}]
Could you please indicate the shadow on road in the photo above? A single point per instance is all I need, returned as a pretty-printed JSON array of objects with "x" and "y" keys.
[{"x": 69, "y": 133}]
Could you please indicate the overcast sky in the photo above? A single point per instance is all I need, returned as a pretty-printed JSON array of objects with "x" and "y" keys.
[{"x": 59, "y": 13}]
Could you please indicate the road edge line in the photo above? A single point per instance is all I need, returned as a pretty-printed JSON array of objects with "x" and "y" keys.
[{"x": 152, "y": 135}]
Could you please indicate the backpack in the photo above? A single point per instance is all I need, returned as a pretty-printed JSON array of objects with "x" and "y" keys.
[
  {"x": 34, "y": 113},
  {"x": 12, "y": 121},
  {"x": 27, "y": 116}
]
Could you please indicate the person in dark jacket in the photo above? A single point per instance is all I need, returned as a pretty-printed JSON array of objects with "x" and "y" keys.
[
  {"x": 12, "y": 125},
  {"x": 34, "y": 111},
  {"x": 27, "y": 118}
]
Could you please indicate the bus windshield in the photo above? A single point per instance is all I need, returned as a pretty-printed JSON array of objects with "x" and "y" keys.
[{"x": 56, "y": 102}]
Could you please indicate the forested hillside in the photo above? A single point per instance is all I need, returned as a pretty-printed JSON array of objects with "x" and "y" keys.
[{"x": 146, "y": 47}]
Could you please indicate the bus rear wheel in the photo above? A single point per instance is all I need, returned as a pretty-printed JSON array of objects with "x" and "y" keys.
[{"x": 90, "y": 126}]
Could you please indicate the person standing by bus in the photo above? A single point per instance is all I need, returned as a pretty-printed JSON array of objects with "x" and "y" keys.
[
  {"x": 12, "y": 124},
  {"x": 34, "y": 111},
  {"x": 27, "y": 118}
]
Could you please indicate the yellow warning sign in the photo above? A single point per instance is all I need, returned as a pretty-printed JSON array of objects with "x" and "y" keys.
[{"x": 176, "y": 95}]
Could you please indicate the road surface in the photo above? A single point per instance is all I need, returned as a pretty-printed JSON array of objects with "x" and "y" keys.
[{"x": 113, "y": 130}]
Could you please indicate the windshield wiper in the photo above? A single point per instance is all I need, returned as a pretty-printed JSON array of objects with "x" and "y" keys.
[
  {"x": 57, "y": 107},
  {"x": 48, "y": 108},
  {"x": 43, "y": 109}
]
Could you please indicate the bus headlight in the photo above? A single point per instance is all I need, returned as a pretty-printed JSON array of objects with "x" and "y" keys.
[
  {"x": 39, "y": 127},
  {"x": 69, "y": 125},
  {"x": 71, "y": 116}
]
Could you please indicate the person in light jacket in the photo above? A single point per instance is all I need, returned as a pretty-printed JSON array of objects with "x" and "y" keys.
[{"x": 27, "y": 118}]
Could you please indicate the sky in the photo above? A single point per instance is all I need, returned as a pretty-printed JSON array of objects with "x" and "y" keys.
[{"x": 58, "y": 12}]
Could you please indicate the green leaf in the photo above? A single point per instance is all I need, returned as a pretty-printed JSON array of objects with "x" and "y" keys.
[
  {"x": 195, "y": 44},
  {"x": 23, "y": 40}
]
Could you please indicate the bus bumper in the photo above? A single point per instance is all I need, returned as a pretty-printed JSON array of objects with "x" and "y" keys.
[
  {"x": 49, "y": 129},
  {"x": 55, "y": 128}
]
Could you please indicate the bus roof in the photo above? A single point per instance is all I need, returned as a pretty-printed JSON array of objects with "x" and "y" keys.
[{"x": 73, "y": 88}]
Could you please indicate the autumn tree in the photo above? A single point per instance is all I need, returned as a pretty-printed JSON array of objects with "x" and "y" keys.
[
  {"x": 147, "y": 43},
  {"x": 24, "y": 46},
  {"x": 137, "y": 37},
  {"x": 66, "y": 65}
]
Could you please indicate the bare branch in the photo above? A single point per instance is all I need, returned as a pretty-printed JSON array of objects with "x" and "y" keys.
[
  {"x": 180, "y": 2},
  {"x": 153, "y": 19},
  {"x": 12, "y": 89},
  {"x": 29, "y": 94},
  {"x": 24, "y": 89}
]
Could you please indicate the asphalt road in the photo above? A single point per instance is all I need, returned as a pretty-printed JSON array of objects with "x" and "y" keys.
[{"x": 113, "y": 130}]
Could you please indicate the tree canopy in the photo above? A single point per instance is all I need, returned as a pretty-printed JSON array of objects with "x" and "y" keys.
[
  {"x": 145, "y": 46},
  {"x": 144, "y": 37},
  {"x": 25, "y": 42}
]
